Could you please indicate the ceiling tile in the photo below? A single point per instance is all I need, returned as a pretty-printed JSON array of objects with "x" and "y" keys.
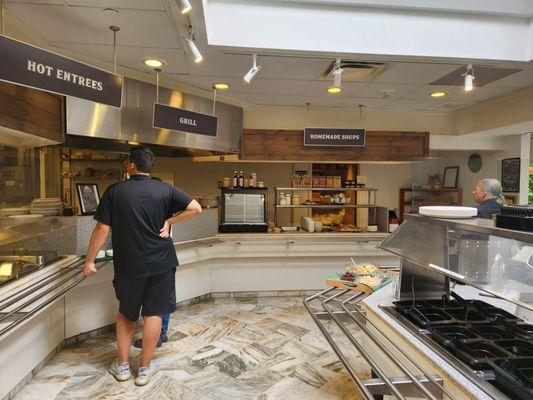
[
  {"x": 325, "y": 101},
  {"x": 409, "y": 104},
  {"x": 354, "y": 102},
  {"x": 318, "y": 88},
  {"x": 277, "y": 86},
  {"x": 291, "y": 68},
  {"x": 374, "y": 90},
  {"x": 90, "y": 25},
  {"x": 237, "y": 85},
  {"x": 221, "y": 65},
  {"x": 414, "y": 72},
  {"x": 457, "y": 93},
  {"x": 131, "y": 57},
  {"x": 271, "y": 100}
]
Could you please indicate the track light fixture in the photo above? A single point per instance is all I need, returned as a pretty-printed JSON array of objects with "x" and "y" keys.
[
  {"x": 469, "y": 77},
  {"x": 253, "y": 71},
  {"x": 198, "y": 58},
  {"x": 185, "y": 6},
  {"x": 337, "y": 77}
]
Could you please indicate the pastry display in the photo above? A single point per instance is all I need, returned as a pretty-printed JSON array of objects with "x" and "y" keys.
[
  {"x": 370, "y": 280},
  {"x": 366, "y": 268}
]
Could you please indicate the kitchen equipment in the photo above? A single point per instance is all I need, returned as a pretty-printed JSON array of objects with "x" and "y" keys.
[
  {"x": 243, "y": 210},
  {"x": 448, "y": 211},
  {"x": 517, "y": 217}
]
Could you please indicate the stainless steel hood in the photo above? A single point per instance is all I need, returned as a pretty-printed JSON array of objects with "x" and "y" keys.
[{"x": 133, "y": 123}]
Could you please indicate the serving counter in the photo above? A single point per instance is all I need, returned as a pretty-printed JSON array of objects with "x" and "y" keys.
[
  {"x": 455, "y": 325},
  {"x": 211, "y": 265}
]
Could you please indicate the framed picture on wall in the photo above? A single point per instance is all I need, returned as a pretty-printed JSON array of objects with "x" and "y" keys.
[
  {"x": 511, "y": 175},
  {"x": 451, "y": 178},
  {"x": 88, "y": 197}
]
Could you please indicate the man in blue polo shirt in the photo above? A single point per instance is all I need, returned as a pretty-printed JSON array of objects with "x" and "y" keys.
[{"x": 139, "y": 212}]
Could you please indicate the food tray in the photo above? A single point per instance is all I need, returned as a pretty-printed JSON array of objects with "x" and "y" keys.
[
  {"x": 450, "y": 335},
  {"x": 335, "y": 281},
  {"x": 515, "y": 375},
  {"x": 477, "y": 354}
]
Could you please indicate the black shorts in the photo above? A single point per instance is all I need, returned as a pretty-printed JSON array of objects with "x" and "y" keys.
[{"x": 154, "y": 295}]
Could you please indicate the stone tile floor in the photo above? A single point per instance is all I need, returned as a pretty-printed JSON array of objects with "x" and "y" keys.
[{"x": 260, "y": 348}]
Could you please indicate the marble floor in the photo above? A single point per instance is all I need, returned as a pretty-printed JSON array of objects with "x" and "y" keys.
[{"x": 260, "y": 348}]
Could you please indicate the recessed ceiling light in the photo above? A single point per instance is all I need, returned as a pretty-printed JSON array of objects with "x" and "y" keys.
[
  {"x": 334, "y": 89},
  {"x": 153, "y": 62},
  {"x": 438, "y": 94},
  {"x": 221, "y": 86}
]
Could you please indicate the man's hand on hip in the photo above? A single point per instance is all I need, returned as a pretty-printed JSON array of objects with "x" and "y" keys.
[
  {"x": 165, "y": 231},
  {"x": 89, "y": 269}
]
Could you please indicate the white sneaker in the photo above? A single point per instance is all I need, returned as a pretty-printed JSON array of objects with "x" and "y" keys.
[
  {"x": 144, "y": 376},
  {"x": 121, "y": 372}
]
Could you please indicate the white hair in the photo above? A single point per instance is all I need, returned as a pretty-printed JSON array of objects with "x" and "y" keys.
[{"x": 492, "y": 187}]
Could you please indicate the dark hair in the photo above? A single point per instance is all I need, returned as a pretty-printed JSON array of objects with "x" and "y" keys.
[{"x": 143, "y": 158}]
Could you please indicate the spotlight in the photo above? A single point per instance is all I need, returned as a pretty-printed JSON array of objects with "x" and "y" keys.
[
  {"x": 184, "y": 6},
  {"x": 253, "y": 71},
  {"x": 469, "y": 77},
  {"x": 337, "y": 76},
  {"x": 198, "y": 58}
]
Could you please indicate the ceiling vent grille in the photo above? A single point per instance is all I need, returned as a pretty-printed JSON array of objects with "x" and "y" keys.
[{"x": 357, "y": 71}]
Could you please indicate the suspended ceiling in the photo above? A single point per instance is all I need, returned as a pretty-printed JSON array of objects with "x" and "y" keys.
[{"x": 290, "y": 76}]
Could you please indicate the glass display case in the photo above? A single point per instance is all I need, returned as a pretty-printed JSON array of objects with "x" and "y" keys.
[
  {"x": 472, "y": 251},
  {"x": 243, "y": 210}
]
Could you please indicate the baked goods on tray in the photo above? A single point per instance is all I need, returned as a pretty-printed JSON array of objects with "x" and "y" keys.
[{"x": 365, "y": 268}]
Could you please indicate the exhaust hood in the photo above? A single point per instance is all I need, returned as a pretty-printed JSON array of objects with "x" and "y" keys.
[{"x": 133, "y": 123}]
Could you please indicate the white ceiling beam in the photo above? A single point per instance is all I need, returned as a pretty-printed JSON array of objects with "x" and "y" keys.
[{"x": 322, "y": 28}]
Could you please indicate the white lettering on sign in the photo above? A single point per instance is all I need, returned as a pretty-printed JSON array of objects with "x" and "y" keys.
[
  {"x": 47, "y": 70},
  {"x": 332, "y": 136},
  {"x": 187, "y": 121}
]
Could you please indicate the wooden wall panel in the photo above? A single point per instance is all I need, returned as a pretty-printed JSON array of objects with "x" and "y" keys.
[
  {"x": 283, "y": 145},
  {"x": 32, "y": 111}
]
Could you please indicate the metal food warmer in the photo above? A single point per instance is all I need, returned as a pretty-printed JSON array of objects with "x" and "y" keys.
[{"x": 454, "y": 326}]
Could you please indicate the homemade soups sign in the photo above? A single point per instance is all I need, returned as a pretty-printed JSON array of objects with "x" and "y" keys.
[
  {"x": 178, "y": 119},
  {"x": 27, "y": 65},
  {"x": 334, "y": 137}
]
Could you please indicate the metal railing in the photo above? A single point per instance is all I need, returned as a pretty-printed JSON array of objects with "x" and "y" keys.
[
  {"x": 56, "y": 285},
  {"x": 340, "y": 306}
]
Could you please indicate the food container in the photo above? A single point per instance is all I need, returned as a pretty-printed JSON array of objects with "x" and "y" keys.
[
  {"x": 372, "y": 228},
  {"x": 260, "y": 184},
  {"x": 282, "y": 201},
  {"x": 323, "y": 182},
  {"x": 307, "y": 181},
  {"x": 329, "y": 182},
  {"x": 316, "y": 181},
  {"x": 296, "y": 199},
  {"x": 296, "y": 181},
  {"x": 288, "y": 199},
  {"x": 337, "y": 181},
  {"x": 226, "y": 182}
]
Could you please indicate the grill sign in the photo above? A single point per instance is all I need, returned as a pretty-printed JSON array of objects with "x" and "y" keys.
[
  {"x": 178, "y": 119},
  {"x": 334, "y": 137},
  {"x": 27, "y": 65}
]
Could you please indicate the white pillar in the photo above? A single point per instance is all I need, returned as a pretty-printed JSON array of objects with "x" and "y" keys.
[{"x": 525, "y": 150}]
